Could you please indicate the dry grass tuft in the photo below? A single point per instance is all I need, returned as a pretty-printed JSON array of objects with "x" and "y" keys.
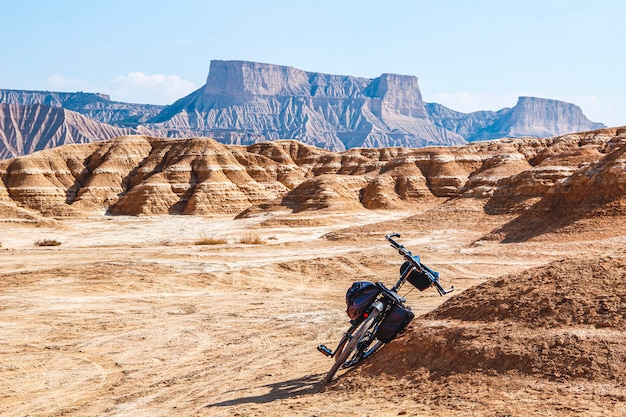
[
  {"x": 252, "y": 239},
  {"x": 48, "y": 242},
  {"x": 210, "y": 240}
]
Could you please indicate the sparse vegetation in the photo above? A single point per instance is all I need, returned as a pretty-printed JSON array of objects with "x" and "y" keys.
[
  {"x": 252, "y": 239},
  {"x": 210, "y": 240},
  {"x": 47, "y": 242}
]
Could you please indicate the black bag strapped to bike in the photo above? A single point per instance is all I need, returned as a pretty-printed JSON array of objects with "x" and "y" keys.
[
  {"x": 418, "y": 279},
  {"x": 359, "y": 297},
  {"x": 395, "y": 322}
]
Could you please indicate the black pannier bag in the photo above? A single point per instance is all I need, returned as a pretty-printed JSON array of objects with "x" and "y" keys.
[
  {"x": 359, "y": 297},
  {"x": 418, "y": 279},
  {"x": 395, "y": 322}
]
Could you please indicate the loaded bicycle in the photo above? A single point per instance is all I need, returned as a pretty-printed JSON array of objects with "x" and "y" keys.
[{"x": 377, "y": 313}]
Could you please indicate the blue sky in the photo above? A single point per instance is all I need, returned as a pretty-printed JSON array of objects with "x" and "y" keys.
[{"x": 468, "y": 55}]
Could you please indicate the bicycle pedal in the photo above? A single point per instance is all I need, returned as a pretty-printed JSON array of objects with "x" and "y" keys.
[{"x": 325, "y": 350}]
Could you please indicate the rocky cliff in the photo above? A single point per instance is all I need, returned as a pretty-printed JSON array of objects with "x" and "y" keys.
[
  {"x": 531, "y": 116},
  {"x": 590, "y": 184},
  {"x": 247, "y": 102},
  {"x": 28, "y": 128},
  {"x": 94, "y": 105},
  {"x": 579, "y": 174}
]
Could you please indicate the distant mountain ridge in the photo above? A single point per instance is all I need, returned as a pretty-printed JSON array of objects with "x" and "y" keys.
[
  {"x": 94, "y": 105},
  {"x": 25, "y": 129},
  {"x": 531, "y": 116},
  {"x": 246, "y": 102}
]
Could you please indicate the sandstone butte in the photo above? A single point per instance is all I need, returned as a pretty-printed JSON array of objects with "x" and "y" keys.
[{"x": 578, "y": 175}]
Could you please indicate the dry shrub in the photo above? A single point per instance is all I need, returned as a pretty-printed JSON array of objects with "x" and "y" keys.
[
  {"x": 252, "y": 239},
  {"x": 48, "y": 242},
  {"x": 210, "y": 240}
]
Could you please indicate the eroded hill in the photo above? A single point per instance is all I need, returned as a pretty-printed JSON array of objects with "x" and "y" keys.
[
  {"x": 549, "y": 338},
  {"x": 580, "y": 176}
]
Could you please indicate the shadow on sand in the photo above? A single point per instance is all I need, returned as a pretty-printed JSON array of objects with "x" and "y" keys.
[{"x": 309, "y": 384}]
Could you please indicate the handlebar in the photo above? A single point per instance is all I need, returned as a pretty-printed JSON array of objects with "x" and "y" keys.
[{"x": 415, "y": 262}]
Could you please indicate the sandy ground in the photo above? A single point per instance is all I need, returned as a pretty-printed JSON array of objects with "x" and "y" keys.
[{"x": 129, "y": 316}]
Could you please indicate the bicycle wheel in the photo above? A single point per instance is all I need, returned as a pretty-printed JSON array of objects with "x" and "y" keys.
[
  {"x": 363, "y": 349},
  {"x": 352, "y": 344},
  {"x": 372, "y": 350}
]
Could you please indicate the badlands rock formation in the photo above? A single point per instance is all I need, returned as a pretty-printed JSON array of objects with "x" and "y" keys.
[
  {"x": 96, "y": 106},
  {"x": 581, "y": 174},
  {"x": 248, "y": 102},
  {"x": 245, "y": 102},
  {"x": 531, "y": 116},
  {"x": 592, "y": 185},
  {"x": 26, "y": 129}
]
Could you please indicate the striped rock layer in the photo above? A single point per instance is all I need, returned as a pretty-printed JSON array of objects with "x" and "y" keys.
[{"x": 141, "y": 175}]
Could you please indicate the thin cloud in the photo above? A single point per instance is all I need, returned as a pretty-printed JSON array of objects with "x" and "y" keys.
[
  {"x": 134, "y": 87},
  {"x": 137, "y": 87}
]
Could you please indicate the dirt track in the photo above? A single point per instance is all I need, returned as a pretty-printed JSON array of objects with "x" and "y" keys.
[{"x": 130, "y": 317}]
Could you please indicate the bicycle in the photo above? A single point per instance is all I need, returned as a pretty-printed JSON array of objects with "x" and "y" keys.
[{"x": 378, "y": 313}]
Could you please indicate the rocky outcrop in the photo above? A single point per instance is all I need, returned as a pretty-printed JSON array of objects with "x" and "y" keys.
[
  {"x": 591, "y": 184},
  {"x": 96, "y": 106},
  {"x": 142, "y": 175},
  {"x": 557, "y": 117},
  {"x": 137, "y": 175},
  {"x": 560, "y": 321},
  {"x": 247, "y": 102},
  {"x": 28, "y": 128},
  {"x": 531, "y": 116}
]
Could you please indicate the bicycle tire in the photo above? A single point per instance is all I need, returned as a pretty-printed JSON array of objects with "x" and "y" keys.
[{"x": 352, "y": 343}]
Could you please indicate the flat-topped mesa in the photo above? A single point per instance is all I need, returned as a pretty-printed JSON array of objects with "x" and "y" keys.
[
  {"x": 247, "y": 102},
  {"x": 243, "y": 78},
  {"x": 558, "y": 117},
  {"x": 252, "y": 78},
  {"x": 398, "y": 93}
]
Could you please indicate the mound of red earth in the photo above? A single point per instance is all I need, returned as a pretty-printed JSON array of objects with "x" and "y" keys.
[{"x": 564, "y": 321}]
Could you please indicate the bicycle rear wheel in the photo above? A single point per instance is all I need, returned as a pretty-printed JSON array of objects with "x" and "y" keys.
[{"x": 352, "y": 344}]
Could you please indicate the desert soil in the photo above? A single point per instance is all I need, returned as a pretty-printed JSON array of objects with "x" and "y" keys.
[{"x": 130, "y": 316}]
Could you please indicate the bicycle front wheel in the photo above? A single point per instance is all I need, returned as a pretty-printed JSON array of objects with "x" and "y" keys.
[{"x": 352, "y": 344}]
